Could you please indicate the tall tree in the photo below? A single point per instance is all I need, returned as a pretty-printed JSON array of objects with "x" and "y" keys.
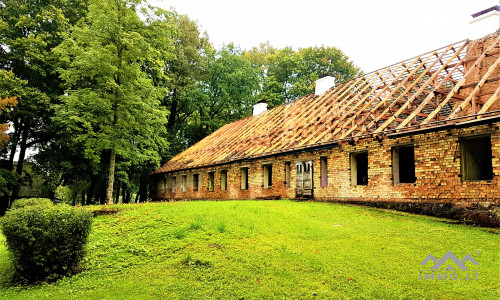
[
  {"x": 289, "y": 74},
  {"x": 29, "y": 30},
  {"x": 112, "y": 106},
  {"x": 225, "y": 93},
  {"x": 184, "y": 71}
]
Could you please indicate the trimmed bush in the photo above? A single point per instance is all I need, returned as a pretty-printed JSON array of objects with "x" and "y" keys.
[
  {"x": 30, "y": 202},
  {"x": 46, "y": 242}
]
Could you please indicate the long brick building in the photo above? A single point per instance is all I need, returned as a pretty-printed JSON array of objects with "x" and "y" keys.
[{"x": 422, "y": 134}]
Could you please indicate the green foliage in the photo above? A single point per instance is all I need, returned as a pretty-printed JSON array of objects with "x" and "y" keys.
[
  {"x": 8, "y": 181},
  {"x": 288, "y": 74},
  {"x": 20, "y": 203},
  {"x": 29, "y": 31},
  {"x": 46, "y": 241},
  {"x": 179, "y": 233},
  {"x": 225, "y": 93},
  {"x": 221, "y": 226},
  {"x": 64, "y": 193},
  {"x": 112, "y": 106}
]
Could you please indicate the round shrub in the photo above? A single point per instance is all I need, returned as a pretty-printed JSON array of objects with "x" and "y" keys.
[
  {"x": 46, "y": 242},
  {"x": 30, "y": 202}
]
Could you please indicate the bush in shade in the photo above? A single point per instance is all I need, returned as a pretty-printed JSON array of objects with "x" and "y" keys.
[{"x": 46, "y": 242}]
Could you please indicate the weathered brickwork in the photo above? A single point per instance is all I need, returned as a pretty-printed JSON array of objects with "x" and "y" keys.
[
  {"x": 438, "y": 173},
  {"x": 418, "y": 141}
]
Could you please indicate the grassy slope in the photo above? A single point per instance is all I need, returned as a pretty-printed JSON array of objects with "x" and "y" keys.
[{"x": 256, "y": 249}]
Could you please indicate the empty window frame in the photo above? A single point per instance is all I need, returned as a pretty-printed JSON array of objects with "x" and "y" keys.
[
  {"x": 184, "y": 182},
  {"x": 403, "y": 164},
  {"x": 288, "y": 175},
  {"x": 359, "y": 168},
  {"x": 244, "y": 178},
  {"x": 211, "y": 177},
  {"x": 174, "y": 184},
  {"x": 476, "y": 158},
  {"x": 164, "y": 183},
  {"x": 267, "y": 172},
  {"x": 223, "y": 180},
  {"x": 324, "y": 171},
  {"x": 196, "y": 181}
]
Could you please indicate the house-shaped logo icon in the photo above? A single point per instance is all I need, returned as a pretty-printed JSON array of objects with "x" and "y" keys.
[{"x": 449, "y": 256}]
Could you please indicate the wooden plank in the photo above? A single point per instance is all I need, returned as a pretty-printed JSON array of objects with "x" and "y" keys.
[
  {"x": 490, "y": 101},
  {"x": 420, "y": 90},
  {"x": 455, "y": 89},
  {"x": 431, "y": 95},
  {"x": 385, "y": 98},
  {"x": 353, "y": 99},
  {"x": 410, "y": 87},
  {"x": 476, "y": 89},
  {"x": 361, "y": 101}
]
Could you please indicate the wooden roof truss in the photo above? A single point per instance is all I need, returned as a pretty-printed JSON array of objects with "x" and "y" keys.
[{"x": 419, "y": 92}]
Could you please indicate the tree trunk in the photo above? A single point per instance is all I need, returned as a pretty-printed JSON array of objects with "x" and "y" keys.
[
  {"x": 13, "y": 147},
  {"x": 22, "y": 152},
  {"x": 111, "y": 177},
  {"x": 173, "y": 112},
  {"x": 143, "y": 188},
  {"x": 90, "y": 191},
  {"x": 117, "y": 196},
  {"x": 129, "y": 196},
  {"x": 124, "y": 193}
]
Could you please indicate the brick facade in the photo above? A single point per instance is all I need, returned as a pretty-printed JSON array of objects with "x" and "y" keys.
[
  {"x": 437, "y": 161},
  {"x": 438, "y": 172}
]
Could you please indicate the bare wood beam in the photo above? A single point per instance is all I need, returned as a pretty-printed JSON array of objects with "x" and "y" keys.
[
  {"x": 490, "y": 101},
  {"x": 383, "y": 126},
  {"x": 476, "y": 89},
  {"x": 455, "y": 89}
]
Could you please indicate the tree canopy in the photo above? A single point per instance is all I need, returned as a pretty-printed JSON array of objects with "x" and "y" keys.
[
  {"x": 108, "y": 90},
  {"x": 288, "y": 74},
  {"x": 111, "y": 104}
]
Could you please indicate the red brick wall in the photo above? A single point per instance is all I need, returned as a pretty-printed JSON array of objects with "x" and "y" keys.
[{"x": 437, "y": 170}]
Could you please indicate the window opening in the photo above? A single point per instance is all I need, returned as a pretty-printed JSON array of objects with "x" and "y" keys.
[
  {"x": 196, "y": 180},
  {"x": 211, "y": 176},
  {"x": 403, "y": 164},
  {"x": 268, "y": 175},
  {"x": 324, "y": 171},
  {"x": 244, "y": 178},
  {"x": 359, "y": 168},
  {"x": 223, "y": 180},
  {"x": 477, "y": 158}
]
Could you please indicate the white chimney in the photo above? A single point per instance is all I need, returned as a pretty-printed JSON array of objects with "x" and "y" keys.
[
  {"x": 260, "y": 107},
  {"x": 324, "y": 84},
  {"x": 484, "y": 22}
]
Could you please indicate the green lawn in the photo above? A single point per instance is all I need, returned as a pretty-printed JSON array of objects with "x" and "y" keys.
[{"x": 269, "y": 249}]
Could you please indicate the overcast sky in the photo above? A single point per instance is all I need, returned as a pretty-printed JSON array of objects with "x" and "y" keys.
[{"x": 373, "y": 33}]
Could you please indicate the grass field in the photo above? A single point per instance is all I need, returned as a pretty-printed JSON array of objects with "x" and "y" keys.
[{"x": 269, "y": 249}]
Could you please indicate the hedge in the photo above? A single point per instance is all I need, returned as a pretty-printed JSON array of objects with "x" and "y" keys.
[
  {"x": 30, "y": 202},
  {"x": 46, "y": 242}
]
